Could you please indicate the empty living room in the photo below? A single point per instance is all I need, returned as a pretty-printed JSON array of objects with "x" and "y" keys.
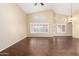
[{"x": 39, "y": 29}]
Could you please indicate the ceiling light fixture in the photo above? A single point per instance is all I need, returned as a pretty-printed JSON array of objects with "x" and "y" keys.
[
  {"x": 71, "y": 17},
  {"x": 42, "y": 4}
]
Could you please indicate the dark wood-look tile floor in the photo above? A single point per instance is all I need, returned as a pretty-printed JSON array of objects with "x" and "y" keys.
[{"x": 56, "y": 46}]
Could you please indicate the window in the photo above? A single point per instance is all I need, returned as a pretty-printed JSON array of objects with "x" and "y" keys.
[
  {"x": 61, "y": 28},
  {"x": 38, "y": 27}
]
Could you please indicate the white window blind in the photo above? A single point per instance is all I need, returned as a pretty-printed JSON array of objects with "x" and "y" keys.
[{"x": 39, "y": 27}]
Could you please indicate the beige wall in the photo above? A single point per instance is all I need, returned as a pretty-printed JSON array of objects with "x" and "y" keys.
[
  {"x": 53, "y": 19},
  {"x": 75, "y": 29},
  {"x": 49, "y": 20},
  {"x": 12, "y": 25}
]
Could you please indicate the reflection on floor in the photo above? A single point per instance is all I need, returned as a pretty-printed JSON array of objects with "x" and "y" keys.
[{"x": 56, "y": 46}]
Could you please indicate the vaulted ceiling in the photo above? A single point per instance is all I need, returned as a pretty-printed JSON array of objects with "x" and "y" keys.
[{"x": 60, "y": 8}]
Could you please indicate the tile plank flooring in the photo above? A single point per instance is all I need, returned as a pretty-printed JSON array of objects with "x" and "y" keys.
[{"x": 48, "y": 46}]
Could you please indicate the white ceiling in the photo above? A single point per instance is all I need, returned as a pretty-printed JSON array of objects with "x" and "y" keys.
[{"x": 61, "y": 8}]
